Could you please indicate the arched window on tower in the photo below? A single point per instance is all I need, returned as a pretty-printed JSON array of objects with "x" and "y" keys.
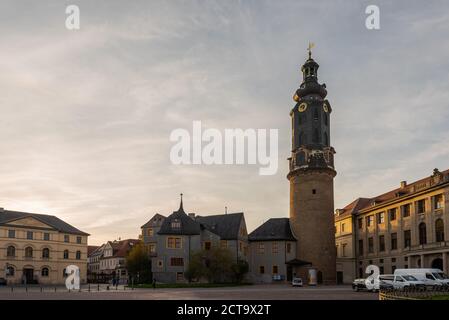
[
  {"x": 316, "y": 115},
  {"x": 439, "y": 230},
  {"x": 422, "y": 233}
]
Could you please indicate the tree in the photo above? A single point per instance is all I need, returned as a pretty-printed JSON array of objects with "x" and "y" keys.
[
  {"x": 214, "y": 264},
  {"x": 240, "y": 269},
  {"x": 138, "y": 264}
]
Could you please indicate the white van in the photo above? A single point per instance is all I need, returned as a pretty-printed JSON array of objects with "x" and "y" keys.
[{"x": 433, "y": 277}]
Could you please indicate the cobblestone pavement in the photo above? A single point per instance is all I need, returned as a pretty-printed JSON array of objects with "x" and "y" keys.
[{"x": 255, "y": 292}]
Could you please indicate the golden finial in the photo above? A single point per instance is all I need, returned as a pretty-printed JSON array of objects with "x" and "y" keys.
[{"x": 309, "y": 48}]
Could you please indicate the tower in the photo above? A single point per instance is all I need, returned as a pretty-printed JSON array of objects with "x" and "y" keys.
[{"x": 311, "y": 175}]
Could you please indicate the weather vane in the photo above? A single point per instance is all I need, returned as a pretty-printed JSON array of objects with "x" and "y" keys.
[{"x": 309, "y": 48}]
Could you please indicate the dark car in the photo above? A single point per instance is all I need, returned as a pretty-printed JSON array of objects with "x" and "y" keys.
[
  {"x": 2, "y": 282},
  {"x": 383, "y": 285},
  {"x": 359, "y": 284}
]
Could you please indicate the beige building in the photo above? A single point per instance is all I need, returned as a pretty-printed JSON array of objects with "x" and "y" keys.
[
  {"x": 404, "y": 228},
  {"x": 36, "y": 248}
]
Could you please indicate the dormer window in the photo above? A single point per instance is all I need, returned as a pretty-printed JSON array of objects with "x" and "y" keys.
[{"x": 176, "y": 224}]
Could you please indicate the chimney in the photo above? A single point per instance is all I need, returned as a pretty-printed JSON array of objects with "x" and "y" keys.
[
  {"x": 192, "y": 215},
  {"x": 403, "y": 184}
]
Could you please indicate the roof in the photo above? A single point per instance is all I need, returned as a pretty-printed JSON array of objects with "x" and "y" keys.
[
  {"x": 7, "y": 216},
  {"x": 353, "y": 207},
  {"x": 227, "y": 226},
  {"x": 150, "y": 222},
  {"x": 188, "y": 225},
  {"x": 91, "y": 249},
  {"x": 273, "y": 229},
  {"x": 408, "y": 189},
  {"x": 122, "y": 247}
]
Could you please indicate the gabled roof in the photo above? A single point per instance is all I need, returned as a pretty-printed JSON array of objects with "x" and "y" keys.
[
  {"x": 227, "y": 226},
  {"x": 273, "y": 229},
  {"x": 151, "y": 221},
  {"x": 123, "y": 247},
  {"x": 7, "y": 216},
  {"x": 188, "y": 225},
  {"x": 353, "y": 207},
  {"x": 91, "y": 249}
]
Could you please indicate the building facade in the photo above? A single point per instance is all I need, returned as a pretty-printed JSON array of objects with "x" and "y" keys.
[
  {"x": 172, "y": 240},
  {"x": 37, "y": 248},
  {"x": 404, "y": 228},
  {"x": 272, "y": 251},
  {"x": 311, "y": 178}
]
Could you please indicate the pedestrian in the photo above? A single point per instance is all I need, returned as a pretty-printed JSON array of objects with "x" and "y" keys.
[{"x": 154, "y": 283}]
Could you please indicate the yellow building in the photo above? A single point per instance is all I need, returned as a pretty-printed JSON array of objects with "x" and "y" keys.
[
  {"x": 36, "y": 248},
  {"x": 404, "y": 228}
]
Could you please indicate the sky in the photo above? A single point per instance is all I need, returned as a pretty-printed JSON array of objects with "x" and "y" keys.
[{"x": 86, "y": 114}]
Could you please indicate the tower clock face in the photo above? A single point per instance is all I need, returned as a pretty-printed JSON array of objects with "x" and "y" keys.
[
  {"x": 325, "y": 107},
  {"x": 302, "y": 107}
]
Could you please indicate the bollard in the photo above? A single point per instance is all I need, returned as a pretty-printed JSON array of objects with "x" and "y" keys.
[
  {"x": 55, "y": 289},
  {"x": 12, "y": 289},
  {"x": 26, "y": 289},
  {"x": 98, "y": 287},
  {"x": 88, "y": 288},
  {"x": 41, "y": 289}
]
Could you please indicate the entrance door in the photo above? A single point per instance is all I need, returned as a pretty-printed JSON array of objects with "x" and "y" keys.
[
  {"x": 339, "y": 277},
  {"x": 29, "y": 275}
]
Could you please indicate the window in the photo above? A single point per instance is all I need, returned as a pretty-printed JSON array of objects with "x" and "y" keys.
[
  {"x": 316, "y": 115},
  {"x": 342, "y": 227},
  {"x": 275, "y": 270},
  {"x": 361, "y": 247},
  {"x": 28, "y": 252},
  {"x": 380, "y": 217},
  {"x": 261, "y": 269},
  {"x": 176, "y": 224},
  {"x": 173, "y": 243},
  {"x": 66, "y": 254},
  {"x": 66, "y": 238},
  {"x": 439, "y": 230},
  {"x": 392, "y": 214},
  {"x": 179, "y": 276},
  {"x": 207, "y": 245},
  {"x": 370, "y": 245},
  {"x": 422, "y": 233},
  {"x": 30, "y": 235},
  {"x": 78, "y": 255},
  {"x": 177, "y": 262},
  {"x": 343, "y": 249},
  {"x": 381, "y": 243},
  {"x": 150, "y": 232},
  {"x": 223, "y": 244},
  {"x": 11, "y": 251},
  {"x": 394, "y": 241},
  {"x": 421, "y": 206},
  {"x": 160, "y": 263},
  {"x": 11, "y": 233},
  {"x": 289, "y": 247},
  {"x": 438, "y": 201},
  {"x": 45, "y": 253},
  {"x": 78, "y": 240},
  {"x": 313, "y": 191},
  {"x": 44, "y": 272},
  {"x": 274, "y": 247},
  {"x": 360, "y": 223},
  {"x": 369, "y": 220},
  {"x": 10, "y": 271},
  {"x": 261, "y": 248},
  {"x": 152, "y": 248},
  {"x": 407, "y": 238},
  {"x": 381, "y": 270},
  {"x": 406, "y": 210},
  {"x": 46, "y": 236}
]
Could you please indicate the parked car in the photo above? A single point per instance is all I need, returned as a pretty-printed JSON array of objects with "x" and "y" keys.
[
  {"x": 403, "y": 282},
  {"x": 297, "y": 282},
  {"x": 359, "y": 284},
  {"x": 432, "y": 277},
  {"x": 2, "y": 282}
]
